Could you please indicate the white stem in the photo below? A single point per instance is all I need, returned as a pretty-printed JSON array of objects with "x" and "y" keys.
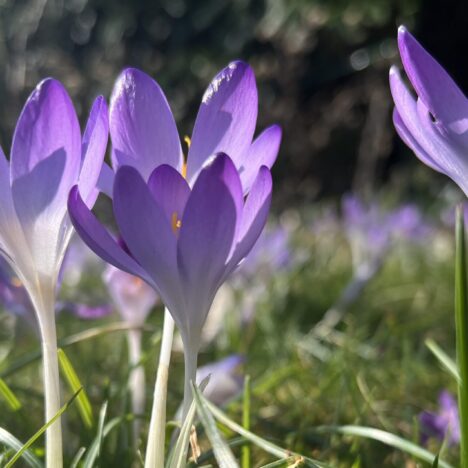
[
  {"x": 136, "y": 381},
  {"x": 45, "y": 308},
  {"x": 157, "y": 430},
  {"x": 191, "y": 359}
]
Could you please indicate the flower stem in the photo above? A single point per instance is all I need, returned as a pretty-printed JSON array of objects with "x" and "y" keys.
[
  {"x": 157, "y": 430},
  {"x": 136, "y": 379},
  {"x": 191, "y": 358},
  {"x": 45, "y": 310}
]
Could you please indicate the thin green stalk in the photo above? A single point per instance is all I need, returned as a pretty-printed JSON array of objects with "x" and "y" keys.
[
  {"x": 157, "y": 430},
  {"x": 246, "y": 421},
  {"x": 461, "y": 327}
]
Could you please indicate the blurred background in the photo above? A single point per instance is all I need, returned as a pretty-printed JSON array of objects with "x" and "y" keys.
[{"x": 321, "y": 67}]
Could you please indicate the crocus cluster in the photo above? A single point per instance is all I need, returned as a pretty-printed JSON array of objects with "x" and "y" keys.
[{"x": 184, "y": 223}]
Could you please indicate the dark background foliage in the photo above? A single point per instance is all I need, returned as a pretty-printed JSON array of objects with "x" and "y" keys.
[{"x": 321, "y": 67}]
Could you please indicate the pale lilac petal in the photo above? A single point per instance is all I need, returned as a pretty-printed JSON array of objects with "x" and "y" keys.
[
  {"x": 205, "y": 239},
  {"x": 433, "y": 139},
  {"x": 256, "y": 209},
  {"x": 93, "y": 150},
  {"x": 226, "y": 119},
  {"x": 105, "y": 183},
  {"x": 170, "y": 190},
  {"x": 98, "y": 239},
  {"x": 410, "y": 141},
  {"x": 262, "y": 152},
  {"x": 45, "y": 155},
  {"x": 87, "y": 312},
  {"x": 147, "y": 232},
  {"x": 142, "y": 127},
  {"x": 432, "y": 83},
  {"x": 12, "y": 241}
]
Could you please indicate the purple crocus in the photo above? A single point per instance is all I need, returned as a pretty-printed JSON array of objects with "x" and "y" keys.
[
  {"x": 433, "y": 124},
  {"x": 443, "y": 425},
  {"x": 134, "y": 300},
  {"x": 225, "y": 379},
  {"x": 185, "y": 226},
  {"x": 48, "y": 157}
]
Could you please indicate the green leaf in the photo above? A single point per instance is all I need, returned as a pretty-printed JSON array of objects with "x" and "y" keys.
[
  {"x": 95, "y": 448},
  {"x": 11, "y": 441},
  {"x": 246, "y": 420},
  {"x": 9, "y": 396},
  {"x": 461, "y": 329},
  {"x": 33, "y": 439},
  {"x": 222, "y": 452},
  {"x": 84, "y": 406},
  {"x": 285, "y": 462},
  {"x": 447, "y": 362},
  {"x": 386, "y": 438},
  {"x": 255, "y": 439}
]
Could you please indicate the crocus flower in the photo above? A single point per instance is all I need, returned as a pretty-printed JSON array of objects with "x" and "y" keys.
[
  {"x": 132, "y": 297},
  {"x": 48, "y": 157},
  {"x": 433, "y": 124},
  {"x": 134, "y": 300},
  {"x": 444, "y": 424},
  {"x": 225, "y": 379},
  {"x": 184, "y": 242}
]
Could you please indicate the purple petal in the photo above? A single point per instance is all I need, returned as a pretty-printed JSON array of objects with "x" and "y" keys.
[
  {"x": 93, "y": 150},
  {"x": 45, "y": 155},
  {"x": 105, "y": 181},
  {"x": 98, "y": 239},
  {"x": 226, "y": 118},
  {"x": 147, "y": 232},
  {"x": 262, "y": 152},
  {"x": 143, "y": 131},
  {"x": 410, "y": 141},
  {"x": 86, "y": 312},
  {"x": 433, "y": 139},
  {"x": 257, "y": 207},
  {"x": 437, "y": 90},
  {"x": 170, "y": 190},
  {"x": 206, "y": 236}
]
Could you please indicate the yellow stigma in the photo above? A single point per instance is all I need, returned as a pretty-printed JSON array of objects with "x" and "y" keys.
[
  {"x": 176, "y": 223},
  {"x": 188, "y": 141}
]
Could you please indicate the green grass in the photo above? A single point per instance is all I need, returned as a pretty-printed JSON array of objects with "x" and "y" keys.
[{"x": 374, "y": 370}]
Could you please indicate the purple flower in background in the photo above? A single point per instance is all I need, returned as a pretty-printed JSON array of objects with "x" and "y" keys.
[
  {"x": 435, "y": 123},
  {"x": 88, "y": 312},
  {"x": 444, "y": 424},
  {"x": 133, "y": 298},
  {"x": 225, "y": 379}
]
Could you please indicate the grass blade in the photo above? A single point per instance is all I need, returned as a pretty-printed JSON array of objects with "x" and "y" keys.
[
  {"x": 33, "y": 439},
  {"x": 255, "y": 439},
  {"x": 9, "y": 396},
  {"x": 461, "y": 328},
  {"x": 386, "y": 438},
  {"x": 77, "y": 457},
  {"x": 246, "y": 421},
  {"x": 222, "y": 452},
  {"x": 447, "y": 362},
  {"x": 9, "y": 440},
  {"x": 95, "y": 449},
  {"x": 84, "y": 406}
]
